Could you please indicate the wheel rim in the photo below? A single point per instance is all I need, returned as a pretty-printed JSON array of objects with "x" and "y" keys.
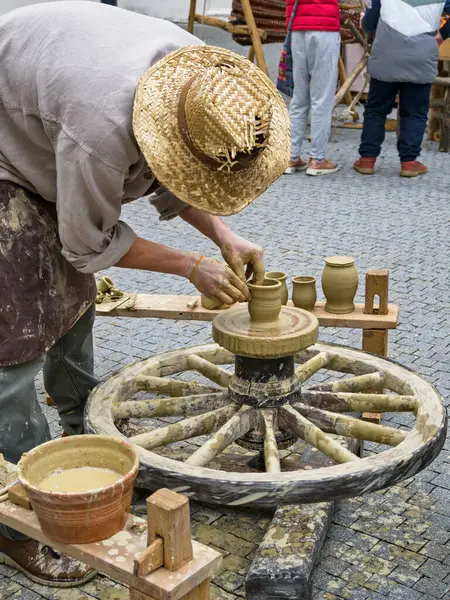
[{"x": 412, "y": 451}]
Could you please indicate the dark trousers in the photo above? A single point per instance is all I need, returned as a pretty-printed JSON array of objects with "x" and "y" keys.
[
  {"x": 111, "y": 2},
  {"x": 413, "y": 111}
]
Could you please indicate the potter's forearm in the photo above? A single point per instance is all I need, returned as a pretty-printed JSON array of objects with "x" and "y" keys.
[
  {"x": 210, "y": 226},
  {"x": 149, "y": 256}
]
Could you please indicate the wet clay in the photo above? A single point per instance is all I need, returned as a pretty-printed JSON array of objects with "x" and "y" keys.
[{"x": 81, "y": 479}]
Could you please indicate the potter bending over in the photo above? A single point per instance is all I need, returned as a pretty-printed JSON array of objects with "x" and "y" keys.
[{"x": 206, "y": 135}]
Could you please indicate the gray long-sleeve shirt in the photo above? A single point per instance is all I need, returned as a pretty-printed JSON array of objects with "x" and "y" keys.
[{"x": 68, "y": 76}]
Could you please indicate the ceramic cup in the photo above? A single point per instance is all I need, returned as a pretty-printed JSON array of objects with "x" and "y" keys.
[
  {"x": 265, "y": 302},
  {"x": 304, "y": 292},
  {"x": 339, "y": 284},
  {"x": 282, "y": 278}
]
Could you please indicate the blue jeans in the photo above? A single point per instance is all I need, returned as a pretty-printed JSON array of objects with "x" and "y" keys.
[
  {"x": 68, "y": 369},
  {"x": 414, "y": 103}
]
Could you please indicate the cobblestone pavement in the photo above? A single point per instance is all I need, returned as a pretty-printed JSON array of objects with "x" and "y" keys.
[{"x": 393, "y": 544}]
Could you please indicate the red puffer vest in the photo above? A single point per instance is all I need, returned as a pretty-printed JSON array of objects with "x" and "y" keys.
[{"x": 314, "y": 15}]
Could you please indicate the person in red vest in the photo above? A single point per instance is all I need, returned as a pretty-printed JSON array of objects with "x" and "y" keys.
[{"x": 315, "y": 52}]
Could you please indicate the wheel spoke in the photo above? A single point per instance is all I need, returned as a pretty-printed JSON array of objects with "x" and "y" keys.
[
  {"x": 233, "y": 429},
  {"x": 312, "y": 365},
  {"x": 314, "y": 436},
  {"x": 184, "y": 430},
  {"x": 171, "y": 387},
  {"x": 185, "y": 406},
  {"x": 353, "y": 384},
  {"x": 271, "y": 455},
  {"x": 345, "y": 402},
  {"x": 209, "y": 369},
  {"x": 351, "y": 427}
]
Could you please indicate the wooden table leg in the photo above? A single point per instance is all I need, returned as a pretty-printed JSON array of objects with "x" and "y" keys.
[
  {"x": 191, "y": 20},
  {"x": 376, "y": 340},
  {"x": 256, "y": 39},
  {"x": 202, "y": 592}
]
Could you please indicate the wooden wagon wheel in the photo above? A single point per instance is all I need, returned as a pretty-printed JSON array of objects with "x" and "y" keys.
[{"x": 320, "y": 419}]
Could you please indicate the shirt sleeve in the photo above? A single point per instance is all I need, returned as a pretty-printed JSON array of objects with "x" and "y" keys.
[
  {"x": 166, "y": 203},
  {"x": 372, "y": 16},
  {"x": 89, "y": 201}
]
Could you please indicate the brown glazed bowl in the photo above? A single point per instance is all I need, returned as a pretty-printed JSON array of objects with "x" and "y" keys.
[{"x": 80, "y": 517}]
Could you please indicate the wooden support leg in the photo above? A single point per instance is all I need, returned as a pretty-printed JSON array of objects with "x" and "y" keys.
[
  {"x": 376, "y": 340},
  {"x": 191, "y": 20},
  {"x": 256, "y": 39},
  {"x": 251, "y": 54},
  {"x": 202, "y": 592},
  {"x": 348, "y": 94}
]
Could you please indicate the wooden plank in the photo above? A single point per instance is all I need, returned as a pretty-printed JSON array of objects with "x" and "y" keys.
[
  {"x": 168, "y": 517},
  {"x": 112, "y": 558},
  {"x": 175, "y": 307}
]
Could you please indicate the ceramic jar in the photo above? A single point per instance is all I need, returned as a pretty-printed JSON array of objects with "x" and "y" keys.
[
  {"x": 282, "y": 278},
  {"x": 265, "y": 302},
  {"x": 304, "y": 292},
  {"x": 339, "y": 284}
]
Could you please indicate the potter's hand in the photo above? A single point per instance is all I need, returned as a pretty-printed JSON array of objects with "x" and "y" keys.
[
  {"x": 218, "y": 282},
  {"x": 440, "y": 40},
  {"x": 240, "y": 253}
]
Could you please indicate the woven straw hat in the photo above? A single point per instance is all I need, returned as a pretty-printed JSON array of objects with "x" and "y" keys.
[{"x": 212, "y": 127}]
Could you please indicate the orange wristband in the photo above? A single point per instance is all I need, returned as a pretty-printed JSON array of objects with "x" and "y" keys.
[{"x": 194, "y": 270}]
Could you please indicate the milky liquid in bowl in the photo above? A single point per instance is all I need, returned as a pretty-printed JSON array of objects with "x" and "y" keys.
[{"x": 80, "y": 479}]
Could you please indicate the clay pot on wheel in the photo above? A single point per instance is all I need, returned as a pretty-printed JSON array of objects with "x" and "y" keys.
[
  {"x": 304, "y": 292},
  {"x": 339, "y": 284},
  {"x": 281, "y": 277},
  {"x": 265, "y": 302}
]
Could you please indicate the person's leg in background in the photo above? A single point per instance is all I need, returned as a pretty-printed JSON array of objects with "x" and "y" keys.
[
  {"x": 68, "y": 377},
  {"x": 300, "y": 103},
  {"x": 110, "y": 2},
  {"x": 323, "y": 49},
  {"x": 69, "y": 372},
  {"x": 379, "y": 104},
  {"x": 413, "y": 110}
]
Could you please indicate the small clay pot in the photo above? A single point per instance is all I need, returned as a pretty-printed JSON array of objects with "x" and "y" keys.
[
  {"x": 339, "y": 284},
  {"x": 304, "y": 292},
  {"x": 80, "y": 517},
  {"x": 281, "y": 277},
  {"x": 104, "y": 284},
  {"x": 265, "y": 302}
]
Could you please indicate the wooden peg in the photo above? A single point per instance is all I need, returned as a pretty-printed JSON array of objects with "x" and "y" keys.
[
  {"x": 151, "y": 559},
  {"x": 168, "y": 517},
  {"x": 377, "y": 284}
]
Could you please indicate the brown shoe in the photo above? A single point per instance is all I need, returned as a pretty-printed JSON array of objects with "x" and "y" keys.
[
  {"x": 321, "y": 167},
  {"x": 296, "y": 165},
  {"x": 365, "y": 165},
  {"x": 412, "y": 168},
  {"x": 43, "y": 565}
]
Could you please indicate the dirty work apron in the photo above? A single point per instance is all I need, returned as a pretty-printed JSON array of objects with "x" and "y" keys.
[{"x": 41, "y": 294}]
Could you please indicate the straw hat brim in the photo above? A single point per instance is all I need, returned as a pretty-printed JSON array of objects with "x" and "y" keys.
[{"x": 157, "y": 132}]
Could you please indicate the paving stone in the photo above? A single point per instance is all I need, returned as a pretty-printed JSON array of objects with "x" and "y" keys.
[
  {"x": 431, "y": 587},
  {"x": 435, "y": 570}
]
